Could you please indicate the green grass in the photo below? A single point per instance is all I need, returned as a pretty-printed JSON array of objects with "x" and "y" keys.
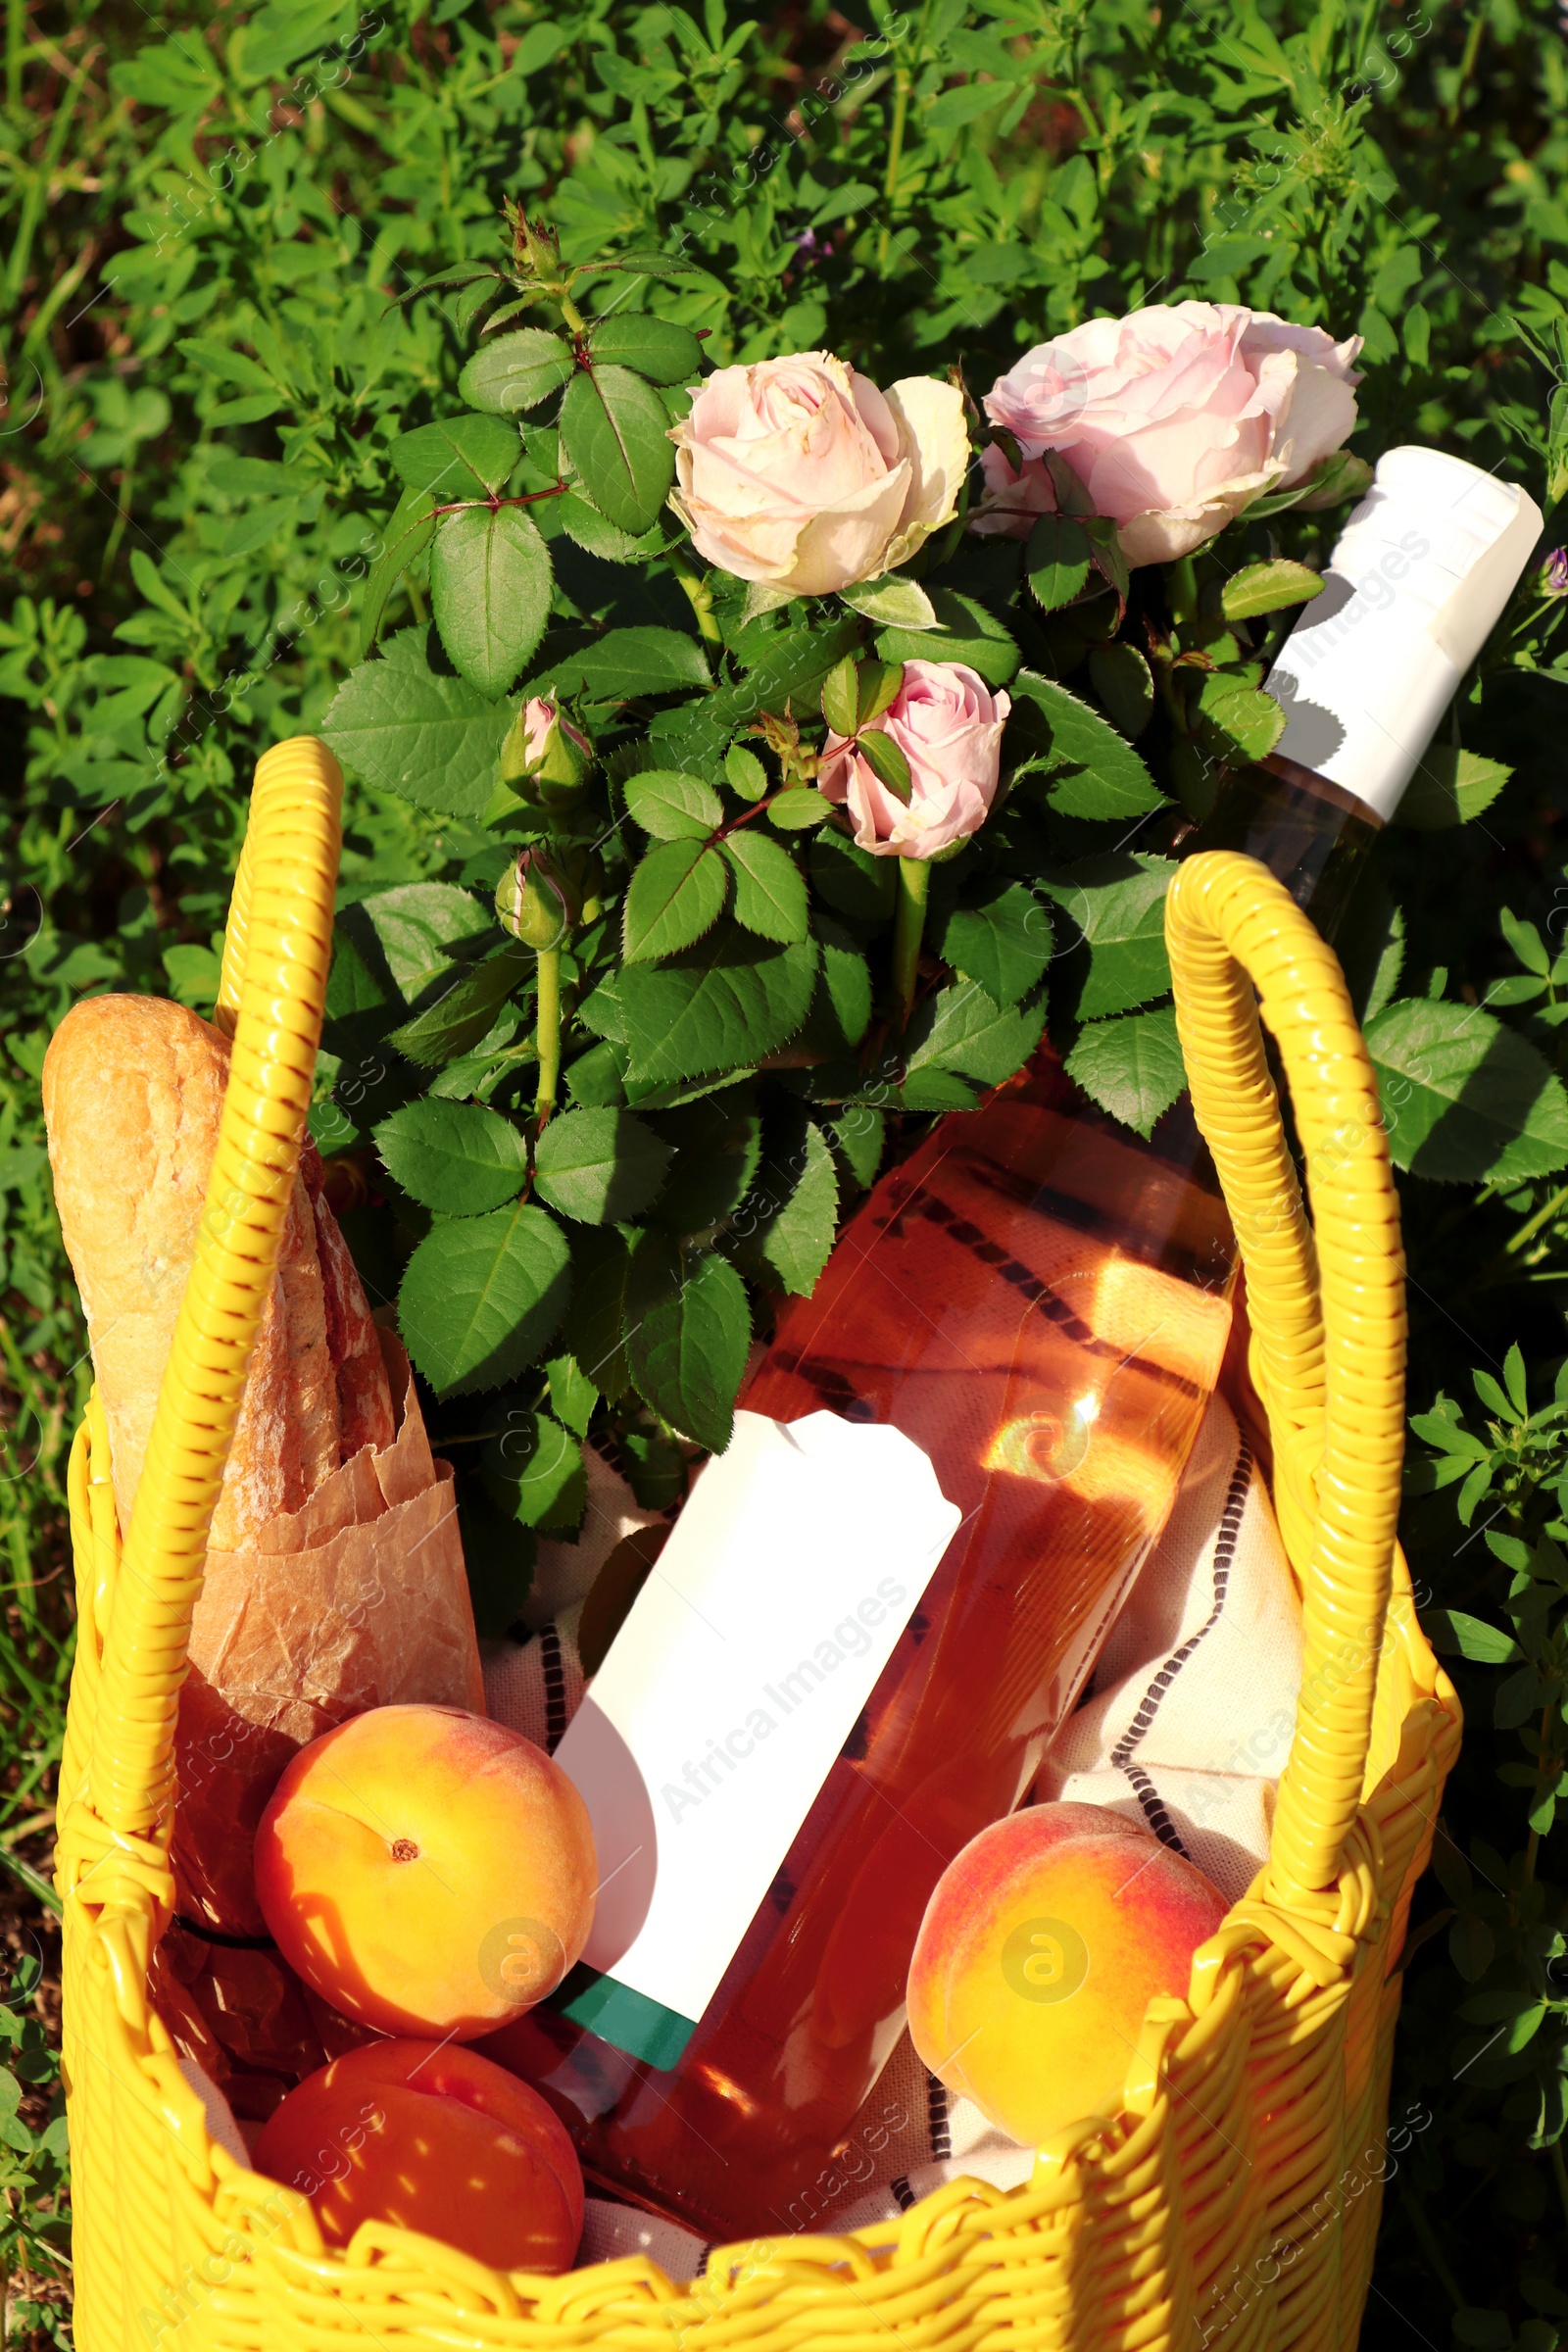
[
  {"x": 41, "y": 1396},
  {"x": 197, "y": 244}
]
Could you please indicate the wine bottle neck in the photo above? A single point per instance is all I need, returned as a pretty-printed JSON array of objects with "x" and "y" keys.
[{"x": 1314, "y": 835}]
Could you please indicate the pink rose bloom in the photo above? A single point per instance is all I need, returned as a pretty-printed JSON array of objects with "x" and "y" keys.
[
  {"x": 947, "y": 724},
  {"x": 1174, "y": 418},
  {"x": 799, "y": 475}
]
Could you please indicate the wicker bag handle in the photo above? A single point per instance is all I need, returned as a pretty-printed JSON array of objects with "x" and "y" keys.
[
  {"x": 272, "y": 995},
  {"x": 1326, "y": 1301}
]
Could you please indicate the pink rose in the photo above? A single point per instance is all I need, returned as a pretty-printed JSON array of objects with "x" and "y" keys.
[
  {"x": 1174, "y": 418},
  {"x": 799, "y": 475},
  {"x": 948, "y": 724}
]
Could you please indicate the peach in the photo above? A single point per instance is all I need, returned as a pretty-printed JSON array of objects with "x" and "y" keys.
[
  {"x": 1038, "y": 1953},
  {"x": 433, "y": 2137},
  {"x": 426, "y": 1871}
]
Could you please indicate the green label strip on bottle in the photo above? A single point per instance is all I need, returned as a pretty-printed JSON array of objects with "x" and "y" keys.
[{"x": 629, "y": 2020}]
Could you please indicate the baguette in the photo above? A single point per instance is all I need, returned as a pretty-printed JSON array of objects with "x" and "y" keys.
[{"x": 133, "y": 1095}]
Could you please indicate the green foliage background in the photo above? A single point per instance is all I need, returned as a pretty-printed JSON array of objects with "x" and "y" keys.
[{"x": 204, "y": 221}]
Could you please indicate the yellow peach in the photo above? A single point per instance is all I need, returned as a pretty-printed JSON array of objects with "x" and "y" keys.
[
  {"x": 1039, "y": 1951},
  {"x": 426, "y": 1870}
]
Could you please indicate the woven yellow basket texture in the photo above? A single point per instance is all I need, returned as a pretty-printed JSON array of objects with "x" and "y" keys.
[{"x": 1235, "y": 2198}]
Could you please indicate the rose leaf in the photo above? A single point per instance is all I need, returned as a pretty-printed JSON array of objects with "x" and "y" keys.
[
  {"x": 461, "y": 1158},
  {"x": 1130, "y": 1065},
  {"x": 676, "y": 894},
  {"x": 481, "y": 1296},
  {"x": 769, "y": 887},
  {"x": 515, "y": 372},
  {"x": 615, "y": 430},
  {"x": 688, "y": 1329},
  {"x": 490, "y": 586},
  {"x": 599, "y": 1166}
]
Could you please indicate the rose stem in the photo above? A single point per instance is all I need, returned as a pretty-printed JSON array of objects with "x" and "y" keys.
[
  {"x": 914, "y": 884},
  {"x": 548, "y": 1034},
  {"x": 903, "y": 82},
  {"x": 890, "y": 185},
  {"x": 701, "y": 600}
]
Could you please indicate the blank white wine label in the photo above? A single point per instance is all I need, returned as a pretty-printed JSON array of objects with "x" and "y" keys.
[{"x": 725, "y": 1697}]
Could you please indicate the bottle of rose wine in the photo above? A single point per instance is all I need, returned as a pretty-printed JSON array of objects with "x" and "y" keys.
[{"x": 948, "y": 1466}]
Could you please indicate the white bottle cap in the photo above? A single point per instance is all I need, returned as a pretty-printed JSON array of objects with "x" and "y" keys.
[{"x": 1417, "y": 579}]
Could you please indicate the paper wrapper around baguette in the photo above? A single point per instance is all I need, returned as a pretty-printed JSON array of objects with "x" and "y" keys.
[
  {"x": 359, "y": 1600},
  {"x": 334, "y": 1578}
]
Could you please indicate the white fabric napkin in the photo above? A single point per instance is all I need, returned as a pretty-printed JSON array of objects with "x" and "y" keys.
[{"x": 1189, "y": 1717}]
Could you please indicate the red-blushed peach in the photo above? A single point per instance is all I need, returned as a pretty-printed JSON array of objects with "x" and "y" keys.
[
  {"x": 426, "y": 1870},
  {"x": 1040, "y": 1951},
  {"x": 433, "y": 2137}
]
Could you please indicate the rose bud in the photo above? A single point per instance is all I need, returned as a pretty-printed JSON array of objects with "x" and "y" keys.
[
  {"x": 800, "y": 473},
  {"x": 534, "y": 902},
  {"x": 545, "y": 749},
  {"x": 1174, "y": 419},
  {"x": 947, "y": 724}
]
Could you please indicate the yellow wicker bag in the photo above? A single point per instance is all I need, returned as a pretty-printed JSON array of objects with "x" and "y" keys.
[{"x": 1234, "y": 2199}]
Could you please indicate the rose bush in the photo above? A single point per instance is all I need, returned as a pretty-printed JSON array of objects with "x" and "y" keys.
[
  {"x": 1175, "y": 419},
  {"x": 947, "y": 724},
  {"x": 803, "y": 475}
]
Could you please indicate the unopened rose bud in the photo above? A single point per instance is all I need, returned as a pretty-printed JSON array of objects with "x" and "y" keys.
[
  {"x": 547, "y": 751},
  {"x": 534, "y": 902}
]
